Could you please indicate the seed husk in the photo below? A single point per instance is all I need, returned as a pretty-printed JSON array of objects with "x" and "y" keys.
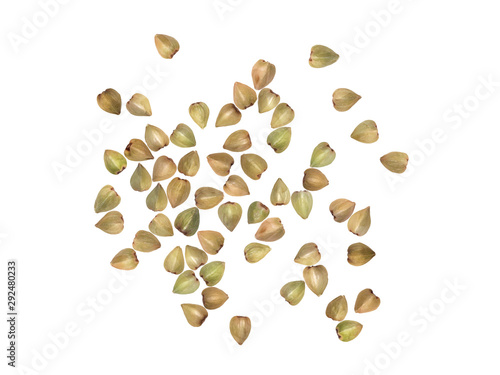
[
  {"x": 243, "y": 96},
  {"x": 114, "y": 162},
  {"x": 255, "y": 252},
  {"x": 188, "y": 221},
  {"x": 342, "y": 209},
  {"x": 145, "y": 242},
  {"x": 396, "y": 162},
  {"x": 263, "y": 73},
  {"x": 344, "y": 99},
  {"x": 161, "y": 226},
  {"x": 163, "y": 169},
  {"x": 111, "y": 223},
  {"x": 110, "y": 101},
  {"x": 189, "y": 164},
  {"x": 141, "y": 179},
  {"x": 322, "y": 155},
  {"x": 220, "y": 163},
  {"x": 236, "y": 186},
  {"x": 359, "y": 254},
  {"x": 293, "y": 292},
  {"x": 167, "y": 46},
  {"x": 267, "y": 100},
  {"x": 183, "y": 136},
  {"x": 155, "y": 138},
  {"x": 367, "y": 301},
  {"x": 240, "y": 327},
  {"x": 199, "y": 112},
  {"x": 106, "y": 200},
  {"x": 314, "y": 180},
  {"x": 211, "y": 241},
  {"x": 282, "y": 115},
  {"x": 126, "y": 260},
  {"x": 228, "y": 115},
  {"x": 348, "y": 330},
  {"x": 302, "y": 202},
  {"x": 322, "y": 56},
  {"x": 195, "y": 257},
  {"x": 257, "y": 212},
  {"x": 195, "y": 314},
  {"x": 206, "y": 197},
  {"x": 316, "y": 278},
  {"x": 230, "y": 214},
  {"x": 178, "y": 191},
  {"x": 366, "y": 132},
  {"x": 360, "y": 222},
  {"x": 186, "y": 283},
  {"x": 213, "y": 298},
  {"x": 270, "y": 230},
  {"x": 253, "y": 165},
  {"x": 157, "y": 199},
  {"x": 138, "y": 105},
  {"x": 337, "y": 309},
  {"x": 238, "y": 141},
  {"x": 212, "y": 272},
  {"x": 137, "y": 150},
  {"x": 308, "y": 255},
  {"x": 279, "y": 139},
  {"x": 280, "y": 195},
  {"x": 174, "y": 262}
]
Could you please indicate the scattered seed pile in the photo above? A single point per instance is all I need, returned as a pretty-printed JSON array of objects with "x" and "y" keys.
[{"x": 230, "y": 213}]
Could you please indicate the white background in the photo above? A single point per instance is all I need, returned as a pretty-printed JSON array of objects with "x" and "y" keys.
[{"x": 420, "y": 67}]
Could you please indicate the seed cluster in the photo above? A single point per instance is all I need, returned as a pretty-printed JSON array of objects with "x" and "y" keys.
[{"x": 315, "y": 276}]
